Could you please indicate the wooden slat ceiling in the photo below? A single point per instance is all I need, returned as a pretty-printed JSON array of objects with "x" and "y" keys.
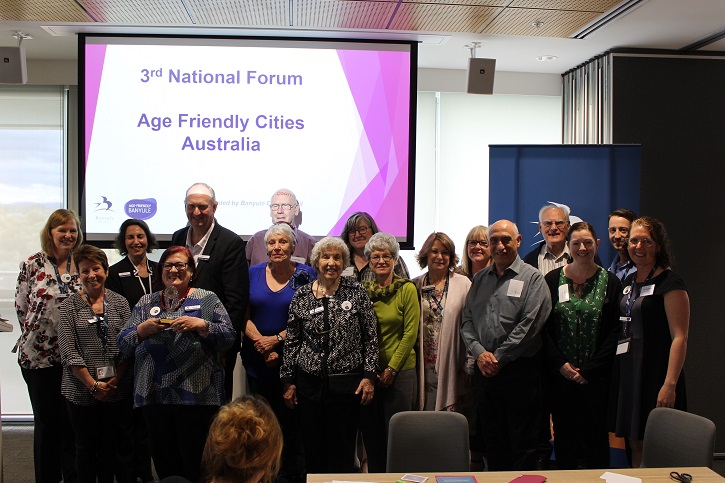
[{"x": 560, "y": 18}]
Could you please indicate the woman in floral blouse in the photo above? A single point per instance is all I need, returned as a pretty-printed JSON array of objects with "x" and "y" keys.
[
  {"x": 580, "y": 338},
  {"x": 46, "y": 279}
]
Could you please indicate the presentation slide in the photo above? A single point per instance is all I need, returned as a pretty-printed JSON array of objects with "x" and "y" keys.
[{"x": 331, "y": 121}]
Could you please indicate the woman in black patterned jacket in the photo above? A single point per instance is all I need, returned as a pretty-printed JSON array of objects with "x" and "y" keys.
[{"x": 330, "y": 358}]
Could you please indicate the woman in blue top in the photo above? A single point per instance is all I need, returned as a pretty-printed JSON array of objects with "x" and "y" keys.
[{"x": 271, "y": 287}]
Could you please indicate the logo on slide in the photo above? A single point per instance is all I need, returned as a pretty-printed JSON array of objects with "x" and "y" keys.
[
  {"x": 141, "y": 209},
  {"x": 104, "y": 205}
]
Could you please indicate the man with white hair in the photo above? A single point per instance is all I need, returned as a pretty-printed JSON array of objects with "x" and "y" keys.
[
  {"x": 283, "y": 208},
  {"x": 553, "y": 251},
  {"x": 220, "y": 263}
]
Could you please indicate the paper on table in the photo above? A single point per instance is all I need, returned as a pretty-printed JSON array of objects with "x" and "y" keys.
[
  {"x": 345, "y": 481},
  {"x": 610, "y": 477}
]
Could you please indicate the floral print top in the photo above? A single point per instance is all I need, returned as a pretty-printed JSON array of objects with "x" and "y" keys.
[
  {"x": 37, "y": 302},
  {"x": 432, "y": 320}
]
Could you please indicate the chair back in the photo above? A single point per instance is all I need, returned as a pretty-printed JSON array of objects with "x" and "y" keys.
[
  {"x": 428, "y": 441},
  {"x": 674, "y": 438}
]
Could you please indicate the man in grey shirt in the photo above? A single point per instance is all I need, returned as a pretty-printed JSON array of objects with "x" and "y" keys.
[{"x": 505, "y": 311}]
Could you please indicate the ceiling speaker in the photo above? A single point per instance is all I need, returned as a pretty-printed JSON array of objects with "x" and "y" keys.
[
  {"x": 480, "y": 76},
  {"x": 12, "y": 65}
]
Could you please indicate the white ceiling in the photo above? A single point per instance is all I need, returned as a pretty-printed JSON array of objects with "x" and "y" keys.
[{"x": 660, "y": 24}]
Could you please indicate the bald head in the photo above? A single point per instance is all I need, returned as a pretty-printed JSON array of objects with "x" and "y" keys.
[{"x": 504, "y": 241}]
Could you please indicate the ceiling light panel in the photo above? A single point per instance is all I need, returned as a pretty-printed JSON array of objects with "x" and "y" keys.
[
  {"x": 140, "y": 12},
  {"x": 600, "y": 6},
  {"x": 249, "y": 13},
  {"x": 344, "y": 15},
  {"x": 442, "y": 18}
]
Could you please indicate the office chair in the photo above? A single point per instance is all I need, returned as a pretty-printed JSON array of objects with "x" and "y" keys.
[
  {"x": 674, "y": 438},
  {"x": 428, "y": 441}
]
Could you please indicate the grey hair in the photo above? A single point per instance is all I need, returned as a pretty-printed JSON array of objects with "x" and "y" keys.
[
  {"x": 382, "y": 241},
  {"x": 284, "y": 192},
  {"x": 563, "y": 208},
  {"x": 329, "y": 242},
  {"x": 281, "y": 229},
  {"x": 211, "y": 191}
]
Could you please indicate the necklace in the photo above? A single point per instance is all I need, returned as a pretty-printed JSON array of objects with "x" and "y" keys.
[
  {"x": 320, "y": 287},
  {"x": 176, "y": 307}
]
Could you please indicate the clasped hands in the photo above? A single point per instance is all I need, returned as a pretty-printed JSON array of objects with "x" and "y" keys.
[
  {"x": 488, "y": 364},
  {"x": 266, "y": 346},
  {"x": 572, "y": 373}
]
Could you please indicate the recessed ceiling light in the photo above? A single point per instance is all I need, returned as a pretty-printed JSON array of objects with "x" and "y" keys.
[{"x": 546, "y": 58}]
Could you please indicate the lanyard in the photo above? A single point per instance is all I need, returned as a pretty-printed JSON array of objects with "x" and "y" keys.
[
  {"x": 140, "y": 281},
  {"x": 62, "y": 285},
  {"x": 432, "y": 293},
  {"x": 630, "y": 303},
  {"x": 101, "y": 320}
]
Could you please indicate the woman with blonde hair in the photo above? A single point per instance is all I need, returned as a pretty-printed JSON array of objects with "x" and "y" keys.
[
  {"x": 244, "y": 443},
  {"x": 476, "y": 253}
]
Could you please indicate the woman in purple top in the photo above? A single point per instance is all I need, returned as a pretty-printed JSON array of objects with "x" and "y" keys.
[{"x": 271, "y": 287}]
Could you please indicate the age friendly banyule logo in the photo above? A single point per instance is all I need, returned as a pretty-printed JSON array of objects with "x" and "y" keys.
[{"x": 141, "y": 209}]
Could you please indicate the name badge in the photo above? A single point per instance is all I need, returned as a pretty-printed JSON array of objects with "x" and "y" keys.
[
  {"x": 105, "y": 372},
  {"x": 297, "y": 259},
  {"x": 647, "y": 290},
  {"x": 563, "y": 293},
  {"x": 124, "y": 274},
  {"x": 515, "y": 288},
  {"x": 623, "y": 346},
  {"x": 92, "y": 320},
  {"x": 62, "y": 296},
  {"x": 191, "y": 308},
  {"x": 203, "y": 258},
  {"x": 317, "y": 310},
  {"x": 348, "y": 272}
]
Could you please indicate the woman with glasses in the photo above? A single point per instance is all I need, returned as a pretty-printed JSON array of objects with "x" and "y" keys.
[
  {"x": 177, "y": 336},
  {"x": 271, "y": 287},
  {"x": 655, "y": 318},
  {"x": 579, "y": 340},
  {"x": 477, "y": 254},
  {"x": 330, "y": 356},
  {"x": 358, "y": 229},
  {"x": 96, "y": 380},
  {"x": 395, "y": 301}
]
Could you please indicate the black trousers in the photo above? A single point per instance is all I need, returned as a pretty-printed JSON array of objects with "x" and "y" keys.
[
  {"x": 53, "y": 438},
  {"x": 509, "y": 412},
  {"x": 581, "y": 438},
  {"x": 178, "y": 434},
  {"x": 329, "y": 433},
  {"x": 104, "y": 441},
  {"x": 293, "y": 463}
]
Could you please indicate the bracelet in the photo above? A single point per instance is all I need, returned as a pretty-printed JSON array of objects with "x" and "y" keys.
[
  {"x": 279, "y": 338},
  {"x": 392, "y": 371},
  {"x": 95, "y": 386}
]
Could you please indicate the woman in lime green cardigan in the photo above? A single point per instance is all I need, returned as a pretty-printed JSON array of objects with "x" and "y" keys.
[{"x": 397, "y": 307}]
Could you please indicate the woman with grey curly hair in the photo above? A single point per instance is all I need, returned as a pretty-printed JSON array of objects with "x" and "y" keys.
[
  {"x": 396, "y": 305},
  {"x": 330, "y": 357}
]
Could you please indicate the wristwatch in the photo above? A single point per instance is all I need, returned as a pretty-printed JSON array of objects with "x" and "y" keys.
[
  {"x": 392, "y": 371},
  {"x": 279, "y": 338}
]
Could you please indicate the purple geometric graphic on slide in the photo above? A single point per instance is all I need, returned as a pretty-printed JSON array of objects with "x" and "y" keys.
[
  {"x": 379, "y": 83},
  {"x": 95, "y": 56}
]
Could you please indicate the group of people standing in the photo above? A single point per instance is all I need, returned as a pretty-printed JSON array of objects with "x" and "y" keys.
[{"x": 337, "y": 338}]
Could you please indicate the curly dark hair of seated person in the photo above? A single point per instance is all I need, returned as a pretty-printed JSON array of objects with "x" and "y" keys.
[{"x": 244, "y": 442}]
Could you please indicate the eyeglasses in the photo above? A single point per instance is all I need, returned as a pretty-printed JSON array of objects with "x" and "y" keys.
[
  {"x": 384, "y": 258},
  {"x": 179, "y": 266},
  {"x": 284, "y": 206},
  {"x": 360, "y": 230},
  {"x": 646, "y": 242},
  {"x": 473, "y": 243},
  {"x": 558, "y": 223}
]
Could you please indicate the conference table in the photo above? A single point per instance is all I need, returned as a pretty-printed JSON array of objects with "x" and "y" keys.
[{"x": 647, "y": 475}]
